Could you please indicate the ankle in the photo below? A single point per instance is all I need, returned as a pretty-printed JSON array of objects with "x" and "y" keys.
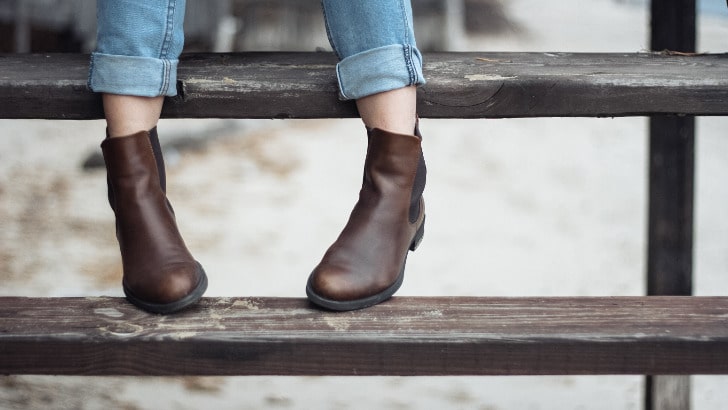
[{"x": 394, "y": 111}]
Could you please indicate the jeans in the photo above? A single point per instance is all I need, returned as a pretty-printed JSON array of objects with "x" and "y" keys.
[{"x": 139, "y": 43}]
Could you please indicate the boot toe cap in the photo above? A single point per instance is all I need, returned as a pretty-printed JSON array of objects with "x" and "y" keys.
[
  {"x": 342, "y": 284},
  {"x": 173, "y": 285}
]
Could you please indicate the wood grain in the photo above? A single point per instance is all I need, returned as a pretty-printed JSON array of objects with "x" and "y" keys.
[
  {"x": 404, "y": 336},
  {"x": 460, "y": 85}
]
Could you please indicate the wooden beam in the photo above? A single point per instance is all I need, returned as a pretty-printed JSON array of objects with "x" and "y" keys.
[
  {"x": 404, "y": 336},
  {"x": 671, "y": 186},
  {"x": 460, "y": 85},
  {"x": 670, "y": 218}
]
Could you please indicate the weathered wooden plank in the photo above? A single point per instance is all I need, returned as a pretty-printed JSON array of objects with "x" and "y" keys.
[
  {"x": 671, "y": 186},
  {"x": 460, "y": 85},
  {"x": 405, "y": 336}
]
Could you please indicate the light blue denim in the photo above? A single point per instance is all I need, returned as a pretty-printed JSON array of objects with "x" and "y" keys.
[
  {"x": 137, "y": 48},
  {"x": 375, "y": 42},
  {"x": 139, "y": 43}
]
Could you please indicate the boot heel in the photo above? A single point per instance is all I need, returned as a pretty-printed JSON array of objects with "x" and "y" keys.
[{"x": 418, "y": 236}]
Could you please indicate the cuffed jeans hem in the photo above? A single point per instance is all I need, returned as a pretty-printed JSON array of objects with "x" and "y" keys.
[
  {"x": 378, "y": 70},
  {"x": 130, "y": 75}
]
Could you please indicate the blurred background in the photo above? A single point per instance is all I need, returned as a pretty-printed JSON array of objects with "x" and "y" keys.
[
  {"x": 517, "y": 207},
  {"x": 237, "y": 25}
]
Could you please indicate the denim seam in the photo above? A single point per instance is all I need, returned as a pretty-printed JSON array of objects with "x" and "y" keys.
[
  {"x": 405, "y": 23},
  {"x": 166, "y": 44},
  {"x": 409, "y": 63},
  {"x": 164, "y": 49},
  {"x": 407, "y": 50},
  {"x": 328, "y": 31}
]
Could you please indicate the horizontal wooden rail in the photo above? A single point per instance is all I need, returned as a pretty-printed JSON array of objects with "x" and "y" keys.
[
  {"x": 404, "y": 336},
  {"x": 460, "y": 85}
]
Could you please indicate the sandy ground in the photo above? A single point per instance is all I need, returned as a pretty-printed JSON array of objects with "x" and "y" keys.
[{"x": 515, "y": 208}]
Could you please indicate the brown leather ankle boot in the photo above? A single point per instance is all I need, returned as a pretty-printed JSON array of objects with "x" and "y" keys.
[
  {"x": 160, "y": 274},
  {"x": 158, "y": 159},
  {"x": 365, "y": 265}
]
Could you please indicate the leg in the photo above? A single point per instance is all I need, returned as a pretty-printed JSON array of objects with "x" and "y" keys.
[
  {"x": 135, "y": 61},
  {"x": 134, "y": 67},
  {"x": 394, "y": 110},
  {"x": 127, "y": 114},
  {"x": 380, "y": 67},
  {"x": 380, "y": 63}
]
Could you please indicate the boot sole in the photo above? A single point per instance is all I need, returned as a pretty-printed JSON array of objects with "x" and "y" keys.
[
  {"x": 369, "y": 301},
  {"x": 172, "y": 307}
]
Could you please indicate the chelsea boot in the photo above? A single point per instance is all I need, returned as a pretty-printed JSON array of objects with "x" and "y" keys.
[
  {"x": 365, "y": 265},
  {"x": 160, "y": 274}
]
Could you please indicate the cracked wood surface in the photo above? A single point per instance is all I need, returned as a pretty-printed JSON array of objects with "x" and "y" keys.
[
  {"x": 460, "y": 85},
  {"x": 404, "y": 336}
]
